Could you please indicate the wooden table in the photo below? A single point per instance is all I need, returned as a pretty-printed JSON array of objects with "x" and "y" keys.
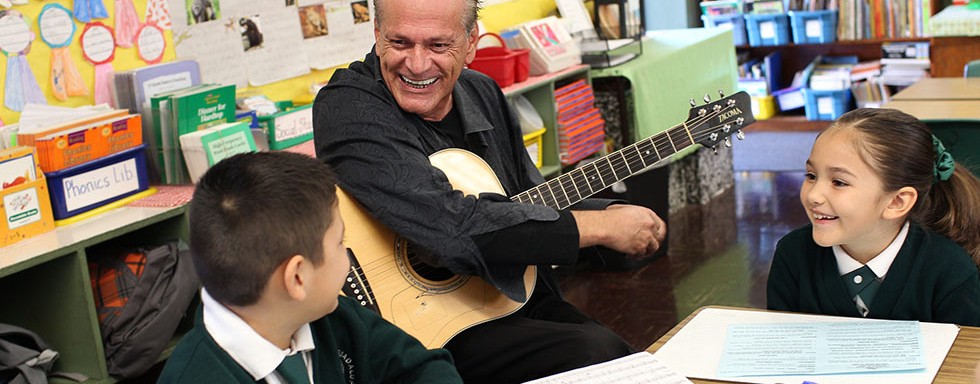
[
  {"x": 957, "y": 368},
  {"x": 958, "y": 110},
  {"x": 941, "y": 88}
]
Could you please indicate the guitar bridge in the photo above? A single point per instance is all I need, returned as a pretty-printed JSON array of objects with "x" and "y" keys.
[{"x": 357, "y": 287}]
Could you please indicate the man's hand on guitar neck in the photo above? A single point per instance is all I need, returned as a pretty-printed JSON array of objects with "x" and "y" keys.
[{"x": 631, "y": 229}]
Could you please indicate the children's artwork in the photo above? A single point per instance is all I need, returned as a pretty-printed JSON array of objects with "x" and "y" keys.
[
  {"x": 349, "y": 32},
  {"x": 127, "y": 22},
  {"x": 150, "y": 43},
  {"x": 158, "y": 13},
  {"x": 20, "y": 86},
  {"x": 86, "y": 10},
  {"x": 57, "y": 29},
  {"x": 99, "y": 48}
]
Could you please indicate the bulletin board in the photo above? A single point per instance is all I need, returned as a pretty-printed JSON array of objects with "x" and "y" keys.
[
  {"x": 328, "y": 53},
  {"x": 38, "y": 53}
]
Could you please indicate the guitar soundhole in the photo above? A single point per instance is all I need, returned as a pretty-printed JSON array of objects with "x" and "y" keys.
[{"x": 422, "y": 275}]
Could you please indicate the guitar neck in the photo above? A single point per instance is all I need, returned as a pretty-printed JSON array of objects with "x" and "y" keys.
[{"x": 572, "y": 187}]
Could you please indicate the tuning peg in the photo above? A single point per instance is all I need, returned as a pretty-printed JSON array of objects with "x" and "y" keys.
[
  {"x": 693, "y": 104},
  {"x": 721, "y": 94},
  {"x": 740, "y": 135},
  {"x": 706, "y": 98},
  {"x": 714, "y": 148}
]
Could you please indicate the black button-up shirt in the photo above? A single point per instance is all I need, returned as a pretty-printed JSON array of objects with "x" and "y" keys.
[{"x": 380, "y": 154}]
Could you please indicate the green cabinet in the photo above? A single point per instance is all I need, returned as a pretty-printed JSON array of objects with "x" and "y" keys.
[{"x": 45, "y": 286}]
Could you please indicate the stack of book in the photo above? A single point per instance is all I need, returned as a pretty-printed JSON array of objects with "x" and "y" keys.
[
  {"x": 581, "y": 129},
  {"x": 206, "y": 147},
  {"x": 904, "y": 63},
  {"x": 88, "y": 161},
  {"x": 181, "y": 112}
]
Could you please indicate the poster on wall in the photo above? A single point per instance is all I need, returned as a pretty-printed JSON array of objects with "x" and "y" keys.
[
  {"x": 242, "y": 43},
  {"x": 336, "y": 32}
]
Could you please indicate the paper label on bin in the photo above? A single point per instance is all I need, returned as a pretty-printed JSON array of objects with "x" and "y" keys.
[
  {"x": 767, "y": 29},
  {"x": 825, "y": 105},
  {"x": 532, "y": 151},
  {"x": 814, "y": 28},
  {"x": 294, "y": 124},
  {"x": 22, "y": 208},
  {"x": 100, "y": 184}
]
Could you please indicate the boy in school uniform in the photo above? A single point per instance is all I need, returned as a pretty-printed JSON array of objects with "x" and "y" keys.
[{"x": 267, "y": 243}]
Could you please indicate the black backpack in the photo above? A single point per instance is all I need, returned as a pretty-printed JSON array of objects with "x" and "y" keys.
[
  {"x": 24, "y": 357},
  {"x": 156, "y": 293}
]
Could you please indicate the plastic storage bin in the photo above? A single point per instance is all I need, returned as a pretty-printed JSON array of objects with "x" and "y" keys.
[
  {"x": 98, "y": 182},
  {"x": 763, "y": 107},
  {"x": 734, "y": 21},
  {"x": 826, "y": 105},
  {"x": 790, "y": 98},
  {"x": 813, "y": 27},
  {"x": 767, "y": 29},
  {"x": 532, "y": 143}
]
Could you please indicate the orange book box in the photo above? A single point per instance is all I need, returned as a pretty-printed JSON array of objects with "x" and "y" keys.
[{"x": 503, "y": 65}]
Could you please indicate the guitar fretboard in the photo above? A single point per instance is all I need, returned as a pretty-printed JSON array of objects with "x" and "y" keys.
[{"x": 577, "y": 185}]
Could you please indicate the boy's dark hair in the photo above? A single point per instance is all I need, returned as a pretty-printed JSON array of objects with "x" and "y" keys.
[
  {"x": 252, "y": 211},
  {"x": 899, "y": 148}
]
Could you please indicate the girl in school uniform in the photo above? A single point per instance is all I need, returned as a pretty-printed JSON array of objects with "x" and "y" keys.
[{"x": 894, "y": 227}]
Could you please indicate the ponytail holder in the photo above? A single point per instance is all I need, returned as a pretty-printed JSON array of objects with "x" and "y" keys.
[{"x": 942, "y": 170}]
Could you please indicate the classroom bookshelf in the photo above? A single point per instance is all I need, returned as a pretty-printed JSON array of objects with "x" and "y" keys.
[
  {"x": 46, "y": 287},
  {"x": 948, "y": 55}
]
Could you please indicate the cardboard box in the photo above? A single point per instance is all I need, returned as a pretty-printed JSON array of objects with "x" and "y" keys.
[{"x": 24, "y": 203}]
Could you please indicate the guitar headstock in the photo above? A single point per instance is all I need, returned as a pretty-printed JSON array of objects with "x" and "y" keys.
[{"x": 714, "y": 122}]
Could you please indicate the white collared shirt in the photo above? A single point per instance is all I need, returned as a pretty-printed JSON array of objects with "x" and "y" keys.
[
  {"x": 252, "y": 352},
  {"x": 879, "y": 264}
]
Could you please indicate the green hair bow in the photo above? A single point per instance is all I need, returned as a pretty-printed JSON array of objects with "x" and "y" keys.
[{"x": 942, "y": 169}]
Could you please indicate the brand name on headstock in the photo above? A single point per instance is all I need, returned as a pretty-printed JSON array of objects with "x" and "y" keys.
[{"x": 729, "y": 114}]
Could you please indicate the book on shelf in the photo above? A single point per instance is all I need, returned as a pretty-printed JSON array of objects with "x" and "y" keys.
[
  {"x": 185, "y": 111},
  {"x": 88, "y": 138},
  {"x": 872, "y": 93},
  {"x": 205, "y": 148},
  {"x": 132, "y": 89}
]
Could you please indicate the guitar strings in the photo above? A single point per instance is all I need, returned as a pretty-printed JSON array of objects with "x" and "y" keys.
[{"x": 658, "y": 142}]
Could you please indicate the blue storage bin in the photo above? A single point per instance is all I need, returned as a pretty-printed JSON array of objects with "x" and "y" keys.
[
  {"x": 770, "y": 29},
  {"x": 826, "y": 105},
  {"x": 813, "y": 27},
  {"x": 98, "y": 182},
  {"x": 734, "y": 21}
]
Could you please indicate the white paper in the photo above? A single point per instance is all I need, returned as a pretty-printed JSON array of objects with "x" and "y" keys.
[
  {"x": 814, "y": 28},
  {"x": 15, "y": 35},
  {"x": 278, "y": 57},
  {"x": 55, "y": 25},
  {"x": 100, "y": 184},
  {"x": 697, "y": 348},
  {"x": 347, "y": 39},
  {"x": 638, "y": 368},
  {"x": 767, "y": 30},
  {"x": 822, "y": 348},
  {"x": 217, "y": 48},
  {"x": 98, "y": 44}
]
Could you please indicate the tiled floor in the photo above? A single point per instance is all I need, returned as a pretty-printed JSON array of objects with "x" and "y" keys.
[{"x": 717, "y": 254}]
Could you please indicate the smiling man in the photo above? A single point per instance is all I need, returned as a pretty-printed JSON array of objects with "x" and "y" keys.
[{"x": 378, "y": 121}]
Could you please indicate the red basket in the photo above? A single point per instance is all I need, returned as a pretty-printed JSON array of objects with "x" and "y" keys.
[{"x": 503, "y": 65}]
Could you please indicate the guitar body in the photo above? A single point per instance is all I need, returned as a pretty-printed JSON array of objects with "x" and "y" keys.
[{"x": 431, "y": 307}]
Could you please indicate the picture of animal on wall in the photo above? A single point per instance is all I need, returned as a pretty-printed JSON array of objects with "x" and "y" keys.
[
  {"x": 313, "y": 20},
  {"x": 200, "y": 11},
  {"x": 361, "y": 12},
  {"x": 251, "y": 30}
]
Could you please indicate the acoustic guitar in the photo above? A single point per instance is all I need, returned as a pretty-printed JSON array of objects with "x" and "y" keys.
[{"x": 434, "y": 304}]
